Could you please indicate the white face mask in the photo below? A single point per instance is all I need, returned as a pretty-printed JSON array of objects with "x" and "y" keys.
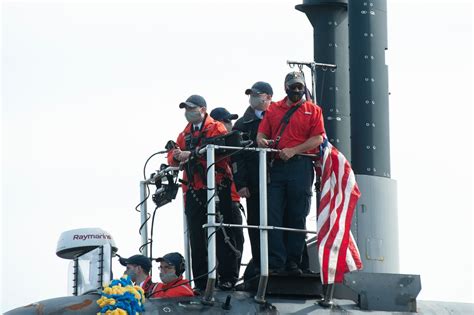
[
  {"x": 258, "y": 102},
  {"x": 168, "y": 277},
  {"x": 194, "y": 117},
  {"x": 131, "y": 273}
]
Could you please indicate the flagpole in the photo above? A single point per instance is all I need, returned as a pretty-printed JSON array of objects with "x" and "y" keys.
[{"x": 328, "y": 295}]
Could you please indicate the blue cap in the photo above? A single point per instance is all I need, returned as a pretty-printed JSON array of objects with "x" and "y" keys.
[
  {"x": 194, "y": 101},
  {"x": 138, "y": 260},
  {"x": 260, "y": 87},
  {"x": 222, "y": 114}
]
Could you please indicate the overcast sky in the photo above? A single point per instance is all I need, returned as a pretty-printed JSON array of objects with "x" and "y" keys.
[{"x": 90, "y": 89}]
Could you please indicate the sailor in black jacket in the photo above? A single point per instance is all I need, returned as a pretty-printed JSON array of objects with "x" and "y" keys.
[{"x": 245, "y": 164}]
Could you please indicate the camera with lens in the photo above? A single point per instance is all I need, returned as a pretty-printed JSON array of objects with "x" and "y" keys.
[{"x": 166, "y": 185}]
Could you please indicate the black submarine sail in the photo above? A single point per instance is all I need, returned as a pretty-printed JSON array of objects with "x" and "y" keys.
[{"x": 355, "y": 103}]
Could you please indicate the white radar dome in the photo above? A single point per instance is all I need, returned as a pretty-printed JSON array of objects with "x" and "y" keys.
[{"x": 80, "y": 241}]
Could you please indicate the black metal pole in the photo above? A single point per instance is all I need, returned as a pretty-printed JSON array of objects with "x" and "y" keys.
[{"x": 330, "y": 25}]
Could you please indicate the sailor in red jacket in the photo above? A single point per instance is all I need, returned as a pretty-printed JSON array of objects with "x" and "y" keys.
[
  {"x": 171, "y": 268},
  {"x": 291, "y": 175},
  {"x": 199, "y": 129}
]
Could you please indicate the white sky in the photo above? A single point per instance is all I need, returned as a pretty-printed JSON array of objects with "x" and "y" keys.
[{"x": 90, "y": 89}]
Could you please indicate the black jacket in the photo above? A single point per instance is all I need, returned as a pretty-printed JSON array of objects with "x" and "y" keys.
[{"x": 245, "y": 163}]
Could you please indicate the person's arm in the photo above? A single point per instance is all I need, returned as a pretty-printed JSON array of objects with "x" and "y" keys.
[
  {"x": 181, "y": 156},
  {"x": 240, "y": 172},
  {"x": 239, "y": 165},
  {"x": 175, "y": 156},
  {"x": 264, "y": 129},
  {"x": 262, "y": 141},
  {"x": 316, "y": 130},
  {"x": 217, "y": 130},
  {"x": 311, "y": 143}
]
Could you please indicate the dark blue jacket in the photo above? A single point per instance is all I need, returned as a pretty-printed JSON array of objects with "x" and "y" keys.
[{"x": 245, "y": 163}]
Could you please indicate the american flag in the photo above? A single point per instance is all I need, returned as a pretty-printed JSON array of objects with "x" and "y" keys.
[{"x": 338, "y": 252}]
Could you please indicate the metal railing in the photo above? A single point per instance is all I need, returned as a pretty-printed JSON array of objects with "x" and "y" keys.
[
  {"x": 263, "y": 227},
  {"x": 211, "y": 225}
]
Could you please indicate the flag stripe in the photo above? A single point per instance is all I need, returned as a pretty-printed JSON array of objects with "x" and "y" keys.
[
  {"x": 326, "y": 196},
  {"x": 335, "y": 238},
  {"x": 339, "y": 246}
]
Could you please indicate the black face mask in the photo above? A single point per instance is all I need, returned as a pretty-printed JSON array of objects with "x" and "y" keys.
[{"x": 294, "y": 95}]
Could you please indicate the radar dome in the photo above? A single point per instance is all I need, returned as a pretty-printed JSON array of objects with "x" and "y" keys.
[{"x": 76, "y": 242}]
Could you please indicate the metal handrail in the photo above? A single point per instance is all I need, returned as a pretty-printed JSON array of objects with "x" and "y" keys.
[
  {"x": 259, "y": 227},
  {"x": 263, "y": 227},
  {"x": 211, "y": 223}
]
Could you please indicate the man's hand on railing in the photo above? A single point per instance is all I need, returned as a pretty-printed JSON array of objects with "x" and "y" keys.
[
  {"x": 244, "y": 192},
  {"x": 181, "y": 156},
  {"x": 287, "y": 153},
  {"x": 264, "y": 143}
]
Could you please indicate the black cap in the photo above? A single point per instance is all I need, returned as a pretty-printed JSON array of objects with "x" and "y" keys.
[
  {"x": 174, "y": 259},
  {"x": 260, "y": 87},
  {"x": 294, "y": 77},
  {"x": 139, "y": 260},
  {"x": 222, "y": 114},
  {"x": 194, "y": 101}
]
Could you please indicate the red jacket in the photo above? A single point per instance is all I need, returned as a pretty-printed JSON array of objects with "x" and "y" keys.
[
  {"x": 177, "y": 288},
  {"x": 210, "y": 129},
  {"x": 148, "y": 286}
]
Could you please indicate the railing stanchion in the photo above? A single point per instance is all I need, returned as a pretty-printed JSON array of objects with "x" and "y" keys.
[
  {"x": 187, "y": 246},
  {"x": 211, "y": 219},
  {"x": 262, "y": 284},
  {"x": 143, "y": 219}
]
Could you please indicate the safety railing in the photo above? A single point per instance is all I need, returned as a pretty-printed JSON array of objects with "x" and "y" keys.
[
  {"x": 263, "y": 227},
  {"x": 212, "y": 225}
]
